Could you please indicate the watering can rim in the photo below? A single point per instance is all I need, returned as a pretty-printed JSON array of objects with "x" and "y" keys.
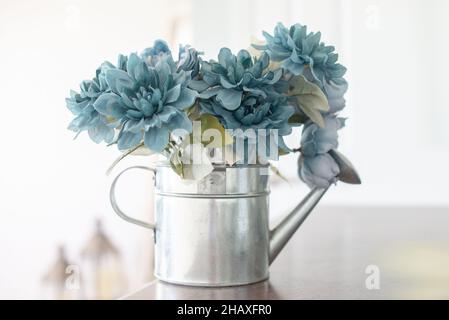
[{"x": 216, "y": 165}]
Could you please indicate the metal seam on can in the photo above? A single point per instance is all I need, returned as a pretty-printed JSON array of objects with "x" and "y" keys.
[{"x": 214, "y": 196}]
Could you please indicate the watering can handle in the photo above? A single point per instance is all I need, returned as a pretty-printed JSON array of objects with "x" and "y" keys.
[{"x": 117, "y": 209}]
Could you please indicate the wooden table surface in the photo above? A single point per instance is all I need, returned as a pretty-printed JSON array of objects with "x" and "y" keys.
[{"x": 338, "y": 253}]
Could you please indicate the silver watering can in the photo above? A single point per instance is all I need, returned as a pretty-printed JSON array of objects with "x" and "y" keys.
[{"x": 214, "y": 232}]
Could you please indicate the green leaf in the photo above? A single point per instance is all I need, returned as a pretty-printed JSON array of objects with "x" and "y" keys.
[
  {"x": 176, "y": 163},
  {"x": 313, "y": 114},
  {"x": 309, "y": 98},
  {"x": 282, "y": 152},
  {"x": 210, "y": 122},
  {"x": 193, "y": 112},
  {"x": 298, "y": 118},
  {"x": 310, "y": 93}
]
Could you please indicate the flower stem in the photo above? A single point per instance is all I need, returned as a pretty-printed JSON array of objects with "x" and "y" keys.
[{"x": 122, "y": 156}]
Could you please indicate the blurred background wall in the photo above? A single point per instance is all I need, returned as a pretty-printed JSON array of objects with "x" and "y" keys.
[{"x": 53, "y": 188}]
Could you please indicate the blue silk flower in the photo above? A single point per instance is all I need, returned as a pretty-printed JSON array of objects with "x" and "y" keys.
[
  {"x": 316, "y": 167},
  {"x": 143, "y": 98},
  {"x": 244, "y": 94},
  {"x": 302, "y": 53}
]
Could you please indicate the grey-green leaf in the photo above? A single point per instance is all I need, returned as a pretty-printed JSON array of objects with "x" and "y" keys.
[
  {"x": 309, "y": 98},
  {"x": 348, "y": 174},
  {"x": 313, "y": 114},
  {"x": 176, "y": 163}
]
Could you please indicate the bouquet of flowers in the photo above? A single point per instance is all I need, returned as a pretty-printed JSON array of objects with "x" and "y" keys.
[{"x": 233, "y": 110}]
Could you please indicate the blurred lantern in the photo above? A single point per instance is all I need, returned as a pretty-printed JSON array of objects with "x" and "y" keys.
[
  {"x": 62, "y": 281},
  {"x": 102, "y": 268}
]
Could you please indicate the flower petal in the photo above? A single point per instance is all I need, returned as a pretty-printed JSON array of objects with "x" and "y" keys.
[
  {"x": 118, "y": 80},
  {"x": 181, "y": 121},
  {"x": 109, "y": 104},
  {"x": 129, "y": 140},
  {"x": 156, "y": 139},
  {"x": 319, "y": 171},
  {"x": 101, "y": 133},
  {"x": 229, "y": 98},
  {"x": 198, "y": 85},
  {"x": 293, "y": 67},
  {"x": 186, "y": 99},
  {"x": 173, "y": 94},
  {"x": 167, "y": 113}
]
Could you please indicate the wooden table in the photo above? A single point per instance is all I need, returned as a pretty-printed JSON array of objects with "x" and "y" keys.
[{"x": 348, "y": 253}]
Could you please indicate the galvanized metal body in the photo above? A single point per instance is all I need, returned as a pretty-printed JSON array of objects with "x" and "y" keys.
[{"x": 215, "y": 231}]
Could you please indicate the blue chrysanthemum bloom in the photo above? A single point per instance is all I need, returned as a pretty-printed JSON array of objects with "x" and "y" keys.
[
  {"x": 303, "y": 53},
  {"x": 243, "y": 94},
  {"x": 299, "y": 50},
  {"x": 316, "y": 140},
  {"x": 81, "y": 103},
  {"x": 233, "y": 78},
  {"x": 148, "y": 102},
  {"x": 154, "y": 54},
  {"x": 319, "y": 171},
  {"x": 87, "y": 118},
  {"x": 266, "y": 117},
  {"x": 189, "y": 60}
]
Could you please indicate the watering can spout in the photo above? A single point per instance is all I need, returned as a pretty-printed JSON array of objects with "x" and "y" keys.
[{"x": 280, "y": 235}]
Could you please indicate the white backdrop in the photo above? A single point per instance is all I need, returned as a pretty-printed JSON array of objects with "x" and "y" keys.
[
  {"x": 398, "y": 102},
  {"x": 52, "y": 187}
]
